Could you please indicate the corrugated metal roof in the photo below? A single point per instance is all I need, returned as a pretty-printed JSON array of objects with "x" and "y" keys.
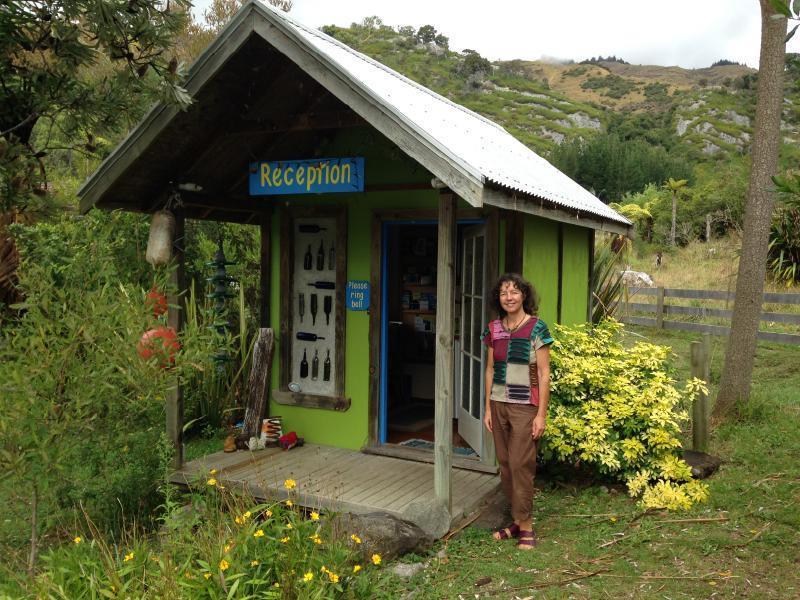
[{"x": 479, "y": 146}]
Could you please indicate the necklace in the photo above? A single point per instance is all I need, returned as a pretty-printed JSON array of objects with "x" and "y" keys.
[{"x": 518, "y": 325}]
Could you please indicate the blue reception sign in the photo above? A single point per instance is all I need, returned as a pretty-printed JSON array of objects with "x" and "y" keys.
[
  {"x": 358, "y": 295},
  {"x": 317, "y": 176}
]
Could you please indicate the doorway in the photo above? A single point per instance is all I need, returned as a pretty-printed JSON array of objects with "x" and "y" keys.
[{"x": 408, "y": 296}]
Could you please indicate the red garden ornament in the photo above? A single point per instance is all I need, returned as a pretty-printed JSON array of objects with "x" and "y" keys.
[
  {"x": 156, "y": 301},
  {"x": 161, "y": 342}
]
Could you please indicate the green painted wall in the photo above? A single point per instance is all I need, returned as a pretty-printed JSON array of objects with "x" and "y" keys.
[
  {"x": 540, "y": 263},
  {"x": 575, "y": 275}
]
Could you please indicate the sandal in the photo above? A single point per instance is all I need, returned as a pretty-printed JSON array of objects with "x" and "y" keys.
[
  {"x": 507, "y": 533},
  {"x": 527, "y": 540}
]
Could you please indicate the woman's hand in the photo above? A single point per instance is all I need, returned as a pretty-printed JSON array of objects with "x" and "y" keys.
[
  {"x": 538, "y": 427},
  {"x": 487, "y": 420}
]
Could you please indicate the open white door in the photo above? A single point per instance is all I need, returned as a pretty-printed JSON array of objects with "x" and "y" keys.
[{"x": 473, "y": 293}]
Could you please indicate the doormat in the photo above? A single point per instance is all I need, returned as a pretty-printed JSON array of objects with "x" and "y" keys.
[{"x": 426, "y": 445}]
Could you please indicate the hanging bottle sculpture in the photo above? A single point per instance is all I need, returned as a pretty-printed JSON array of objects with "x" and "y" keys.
[
  {"x": 315, "y": 366},
  {"x": 220, "y": 295},
  {"x": 326, "y": 367}
]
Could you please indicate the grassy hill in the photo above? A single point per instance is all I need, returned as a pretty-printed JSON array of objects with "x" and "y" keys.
[{"x": 709, "y": 111}]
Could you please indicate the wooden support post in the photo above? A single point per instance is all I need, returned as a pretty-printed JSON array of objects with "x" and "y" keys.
[
  {"x": 660, "y": 307},
  {"x": 265, "y": 229},
  {"x": 175, "y": 319},
  {"x": 445, "y": 283},
  {"x": 701, "y": 366}
]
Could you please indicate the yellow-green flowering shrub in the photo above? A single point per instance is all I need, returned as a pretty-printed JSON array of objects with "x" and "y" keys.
[{"x": 618, "y": 410}]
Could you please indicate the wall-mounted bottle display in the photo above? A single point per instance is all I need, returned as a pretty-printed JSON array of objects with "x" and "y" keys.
[{"x": 314, "y": 285}]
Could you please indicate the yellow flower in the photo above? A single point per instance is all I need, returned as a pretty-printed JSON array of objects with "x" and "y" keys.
[
  {"x": 211, "y": 481},
  {"x": 207, "y": 575},
  {"x": 376, "y": 559},
  {"x": 284, "y": 540},
  {"x": 276, "y": 584},
  {"x": 212, "y": 472},
  {"x": 246, "y": 515},
  {"x": 223, "y": 565},
  {"x": 355, "y": 538},
  {"x": 221, "y": 487},
  {"x": 254, "y": 563},
  {"x": 226, "y": 548},
  {"x": 188, "y": 575},
  {"x": 333, "y": 577},
  {"x": 289, "y": 503},
  {"x": 356, "y": 568},
  {"x": 259, "y": 533},
  {"x": 268, "y": 513},
  {"x": 238, "y": 520},
  {"x": 78, "y": 539},
  {"x": 308, "y": 576},
  {"x": 315, "y": 538},
  {"x": 290, "y": 484},
  {"x": 613, "y": 519},
  {"x": 129, "y": 557},
  {"x": 324, "y": 569},
  {"x": 315, "y": 516}
]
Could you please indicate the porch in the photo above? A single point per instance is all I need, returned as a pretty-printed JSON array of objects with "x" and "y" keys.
[{"x": 340, "y": 479}]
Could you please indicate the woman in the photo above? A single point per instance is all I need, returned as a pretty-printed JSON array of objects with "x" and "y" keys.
[{"x": 517, "y": 393}]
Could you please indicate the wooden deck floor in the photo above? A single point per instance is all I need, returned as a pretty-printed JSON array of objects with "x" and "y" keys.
[{"x": 339, "y": 479}]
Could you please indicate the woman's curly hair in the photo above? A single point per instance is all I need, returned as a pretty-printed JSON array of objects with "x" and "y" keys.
[{"x": 530, "y": 297}]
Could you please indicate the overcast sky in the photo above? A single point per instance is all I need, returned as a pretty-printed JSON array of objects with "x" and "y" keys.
[{"x": 688, "y": 33}]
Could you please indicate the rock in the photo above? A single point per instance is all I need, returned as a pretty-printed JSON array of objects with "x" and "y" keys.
[
  {"x": 431, "y": 516},
  {"x": 710, "y": 147},
  {"x": 564, "y": 123},
  {"x": 408, "y": 570},
  {"x": 729, "y": 139},
  {"x": 636, "y": 279},
  {"x": 556, "y": 136},
  {"x": 583, "y": 120},
  {"x": 682, "y": 125},
  {"x": 384, "y": 534},
  {"x": 731, "y": 115},
  {"x": 703, "y": 465}
]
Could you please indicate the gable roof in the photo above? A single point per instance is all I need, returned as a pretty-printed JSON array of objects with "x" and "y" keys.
[{"x": 475, "y": 157}]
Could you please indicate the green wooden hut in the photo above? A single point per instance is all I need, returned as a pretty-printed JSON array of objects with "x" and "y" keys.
[{"x": 385, "y": 212}]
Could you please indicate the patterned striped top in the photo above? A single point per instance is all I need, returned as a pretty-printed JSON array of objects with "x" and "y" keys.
[{"x": 516, "y": 378}]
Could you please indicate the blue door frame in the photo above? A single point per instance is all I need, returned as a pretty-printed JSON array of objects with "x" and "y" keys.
[{"x": 384, "y": 362}]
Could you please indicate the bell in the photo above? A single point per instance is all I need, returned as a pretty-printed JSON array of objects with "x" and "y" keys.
[{"x": 162, "y": 233}]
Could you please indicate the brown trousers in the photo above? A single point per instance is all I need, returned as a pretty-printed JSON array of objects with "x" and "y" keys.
[{"x": 516, "y": 452}]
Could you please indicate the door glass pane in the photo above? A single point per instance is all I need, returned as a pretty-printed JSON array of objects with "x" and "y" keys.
[
  {"x": 466, "y": 325},
  {"x": 475, "y": 407},
  {"x": 468, "y": 260},
  {"x": 465, "y": 381},
  {"x": 477, "y": 326},
  {"x": 479, "y": 266}
]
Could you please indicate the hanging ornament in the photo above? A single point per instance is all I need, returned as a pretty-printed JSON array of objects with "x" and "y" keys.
[
  {"x": 162, "y": 234},
  {"x": 160, "y": 342},
  {"x": 220, "y": 295}
]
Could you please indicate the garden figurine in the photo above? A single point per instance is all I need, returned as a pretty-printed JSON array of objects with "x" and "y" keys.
[{"x": 517, "y": 384}]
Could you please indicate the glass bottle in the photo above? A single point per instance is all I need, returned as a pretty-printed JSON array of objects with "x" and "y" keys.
[
  {"x": 307, "y": 259},
  {"x": 326, "y": 367},
  {"x": 314, "y": 309},
  {"x": 331, "y": 258},
  {"x": 304, "y": 366},
  {"x": 315, "y": 366},
  {"x": 301, "y": 305},
  {"x": 320, "y": 257}
]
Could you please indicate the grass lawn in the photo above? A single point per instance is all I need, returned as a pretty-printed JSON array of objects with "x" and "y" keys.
[{"x": 596, "y": 543}]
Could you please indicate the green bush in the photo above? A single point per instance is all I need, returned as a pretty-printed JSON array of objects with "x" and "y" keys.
[
  {"x": 618, "y": 411},
  {"x": 82, "y": 411},
  {"x": 218, "y": 545},
  {"x": 784, "y": 246}
]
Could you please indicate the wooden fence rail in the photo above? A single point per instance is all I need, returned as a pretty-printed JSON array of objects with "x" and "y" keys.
[{"x": 661, "y": 308}]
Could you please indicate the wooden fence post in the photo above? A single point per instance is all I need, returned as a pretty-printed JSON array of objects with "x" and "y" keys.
[
  {"x": 660, "y": 307},
  {"x": 701, "y": 366}
]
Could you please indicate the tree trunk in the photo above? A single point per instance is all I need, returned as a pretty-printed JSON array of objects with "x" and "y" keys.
[
  {"x": 674, "y": 217},
  {"x": 740, "y": 355}
]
